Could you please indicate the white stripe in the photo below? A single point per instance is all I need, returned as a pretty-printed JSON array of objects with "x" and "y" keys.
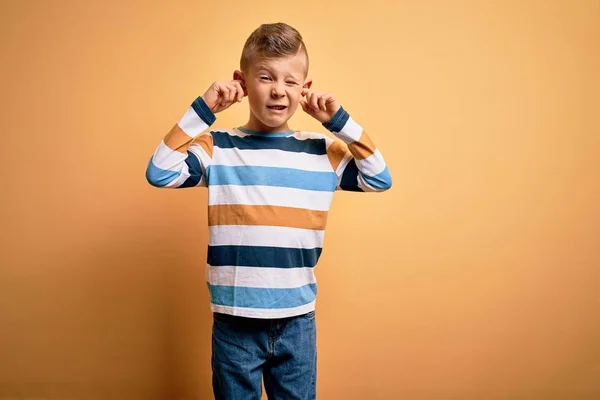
[
  {"x": 303, "y": 135},
  {"x": 372, "y": 165},
  {"x": 275, "y": 236},
  {"x": 201, "y": 154},
  {"x": 351, "y": 132},
  {"x": 328, "y": 142},
  {"x": 264, "y": 312},
  {"x": 171, "y": 160},
  {"x": 271, "y": 158},
  {"x": 256, "y": 277},
  {"x": 166, "y": 158},
  {"x": 191, "y": 123},
  {"x": 343, "y": 164},
  {"x": 270, "y": 195},
  {"x": 365, "y": 186},
  {"x": 180, "y": 179},
  {"x": 235, "y": 132}
]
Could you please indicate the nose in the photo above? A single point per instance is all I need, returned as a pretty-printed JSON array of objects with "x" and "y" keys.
[{"x": 277, "y": 90}]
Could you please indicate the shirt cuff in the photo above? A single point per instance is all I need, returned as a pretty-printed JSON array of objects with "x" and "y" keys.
[
  {"x": 338, "y": 121},
  {"x": 203, "y": 111}
]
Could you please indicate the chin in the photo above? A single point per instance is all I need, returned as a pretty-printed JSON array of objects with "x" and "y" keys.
[{"x": 275, "y": 122}]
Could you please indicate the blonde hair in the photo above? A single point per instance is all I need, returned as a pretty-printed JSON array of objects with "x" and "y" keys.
[{"x": 272, "y": 41}]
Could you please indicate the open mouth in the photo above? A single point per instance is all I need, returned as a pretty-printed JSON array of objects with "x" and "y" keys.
[{"x": 278, "y": 108}]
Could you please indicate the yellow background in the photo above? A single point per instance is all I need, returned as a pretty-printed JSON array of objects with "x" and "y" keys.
[{"x": 477, "y": 276}]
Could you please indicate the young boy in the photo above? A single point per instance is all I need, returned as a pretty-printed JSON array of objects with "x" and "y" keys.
[{"x": 269, "y": 190}]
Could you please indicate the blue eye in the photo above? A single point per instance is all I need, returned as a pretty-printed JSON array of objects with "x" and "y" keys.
[{"x": 264, "y": 77}]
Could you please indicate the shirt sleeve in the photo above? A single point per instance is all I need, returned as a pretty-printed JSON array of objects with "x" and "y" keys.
[
  {"x": 358, "y": 164},
  {"x": 181, "y": 158}
]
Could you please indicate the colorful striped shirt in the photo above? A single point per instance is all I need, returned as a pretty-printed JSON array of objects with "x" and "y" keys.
[{"x": 268, "y": 199}]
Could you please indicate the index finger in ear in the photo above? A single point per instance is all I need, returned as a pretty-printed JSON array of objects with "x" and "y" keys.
[
  {"x": 240, "y": 91},
  {"x": 305, "y": 91}
]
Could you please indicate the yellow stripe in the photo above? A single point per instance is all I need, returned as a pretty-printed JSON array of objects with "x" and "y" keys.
[
  {"x": 206, "y": 142},
  {"x": 242, "y": 214},
  {"x": 336, "y": 152},
  {"x": 177, "y": 139},
  {"x": 362, "y": 148}
]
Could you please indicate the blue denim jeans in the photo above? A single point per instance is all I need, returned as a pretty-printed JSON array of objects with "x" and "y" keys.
[{"x": 283, "y": 350}]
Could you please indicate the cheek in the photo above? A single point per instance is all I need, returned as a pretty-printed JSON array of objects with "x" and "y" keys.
[
  {"x": 254, "y": 98},
  {"x": 294, "y": 96},
  {"x": 256, "y": 94}
]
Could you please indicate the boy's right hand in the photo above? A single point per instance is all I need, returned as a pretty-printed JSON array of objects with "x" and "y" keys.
[{"x": 222, "y": 94}]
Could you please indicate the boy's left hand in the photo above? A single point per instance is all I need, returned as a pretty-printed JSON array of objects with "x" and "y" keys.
[{"x": 320, "y": 106}]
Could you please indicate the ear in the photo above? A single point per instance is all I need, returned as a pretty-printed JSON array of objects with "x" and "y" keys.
[
  {"x": 308, "y": 84},
  {"x": 239, "y": 76}
]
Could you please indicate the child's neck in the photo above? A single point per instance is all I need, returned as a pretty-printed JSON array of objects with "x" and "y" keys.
[{"x": 255, "y": 125}]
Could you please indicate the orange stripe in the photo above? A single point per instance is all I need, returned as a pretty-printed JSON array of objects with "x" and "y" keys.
[
  {"x": 177, "y": 139},
  {"x": 362, "y": 148},
  {"x": 206, "y": 142},
  {"x": 242, "y": 214},
  {"x": 336, "y": 152}
]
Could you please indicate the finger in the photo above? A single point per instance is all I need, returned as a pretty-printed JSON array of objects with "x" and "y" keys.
[
  {"x": 322, "y": 103},
  {"x": 309, "y": 98},
  {"x": 235, "y": 90},
  {"x": 314, "y": 98},
  {"x": 232, "y": 93},
  {"x": 244, "y": 91},
  {"x": 330, "y": 101},
  {"x": 239, "y": 84},
  {"x": 304, "y": 92},
  {"x": 304, "y": 105},
  {"x": 240, "y": 91},
  {"x": 223, "y": 93}
]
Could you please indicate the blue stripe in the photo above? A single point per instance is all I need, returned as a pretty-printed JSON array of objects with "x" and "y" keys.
[
  {"x": 159, "y": 177},
  {"x": 224, "y": 140},
  {"x": 195, "y": 170},
  {"x": 263, "y": 256},
  {"x": 382, "y": 181},
  {"x": 272, "y": 176},
  {"x": 267, "y": 134},
  {"x": 338, "y": 121},
  {"x": 349, "y": 179},
  {"x": 234, "y": 296},
  {"x": 203, "y": 111}
]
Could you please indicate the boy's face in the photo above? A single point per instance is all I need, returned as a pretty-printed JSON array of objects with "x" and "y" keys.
[{"x": 274, "y": 89}]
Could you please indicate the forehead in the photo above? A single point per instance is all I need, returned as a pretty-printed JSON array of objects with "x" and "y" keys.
[{"x": 294, "y": 65}]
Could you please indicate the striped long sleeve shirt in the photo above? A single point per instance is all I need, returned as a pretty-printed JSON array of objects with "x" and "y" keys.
[{"x": 268, "y": 199}]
